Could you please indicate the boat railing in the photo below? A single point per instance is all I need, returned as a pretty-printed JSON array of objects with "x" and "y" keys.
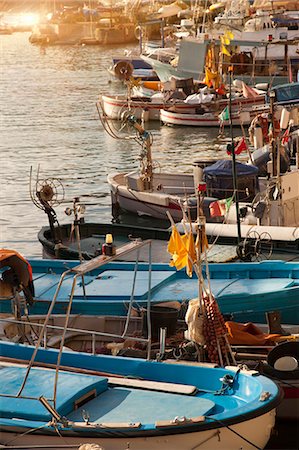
[
  {"x": 93, "y": 334},
  {"x": 79, "y": 271}
]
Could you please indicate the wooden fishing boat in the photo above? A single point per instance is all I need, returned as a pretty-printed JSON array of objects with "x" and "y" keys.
[
  {"x": 151, "y": 107},
  {"x": 185, "y": 404},
  {"x": 116, "y": 335},
  {"x": 92, "y": 237},
  {"x": 243, "y": 290},
  {"x": 204, "y": 119},
  {"x": 175, "y": 191},
  {"x": 281, "y": 243}
]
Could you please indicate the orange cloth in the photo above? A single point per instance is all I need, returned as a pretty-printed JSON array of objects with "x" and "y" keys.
[
  {"x": 248, "y": 334},
  {"x": 5, "y": 254}
]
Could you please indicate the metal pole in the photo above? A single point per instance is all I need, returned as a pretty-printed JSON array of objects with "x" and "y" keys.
[
  {"x": 78, "y": 238},
  {"x": 236, "y": 195},
  {"x": 273, "y": 143}
]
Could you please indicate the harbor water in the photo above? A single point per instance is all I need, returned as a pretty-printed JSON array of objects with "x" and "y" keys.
[
  {"x": 50, "y": 124},
  {"x": 49, "y": 120}
]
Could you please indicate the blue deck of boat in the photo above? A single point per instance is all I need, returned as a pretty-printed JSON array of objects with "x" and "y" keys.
[
  {"x": 147, "y": 407},
  {"x": 71, "y": 387},
  {"x": 165, "y": 285},
  {"x": 111, "y": 405}
]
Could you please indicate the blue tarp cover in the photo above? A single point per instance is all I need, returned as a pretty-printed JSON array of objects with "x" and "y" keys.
[
  {"x": 287, "y": 93},
  {"x": 224, "y": 168}
]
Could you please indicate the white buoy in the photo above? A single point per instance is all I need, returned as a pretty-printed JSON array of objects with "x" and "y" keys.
[
  {"x": 284, "y": 119},
  {"x": 145, "y": 115},
  {"x": 258, "y": 138}
]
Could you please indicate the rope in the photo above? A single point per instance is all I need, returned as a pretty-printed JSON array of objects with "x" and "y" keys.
[
  {"x": 235, "y": 432},
  {"x": 217, "y": 433}
]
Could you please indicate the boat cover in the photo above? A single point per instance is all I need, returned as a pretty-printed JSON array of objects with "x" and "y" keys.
[
  {"x": 287, "y": 94},
  {"x": 224, "y": 168}
]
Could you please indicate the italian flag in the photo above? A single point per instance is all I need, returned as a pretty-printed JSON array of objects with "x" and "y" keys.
[{"x": 221, "y": 207}]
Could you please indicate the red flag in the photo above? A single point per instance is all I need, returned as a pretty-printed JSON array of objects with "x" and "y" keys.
[
  {"x": 217, "y": 209},
  {"x": 285, "y": 137},
  {"x": 220, "y": 207},
  {"x": 239, "y": 147}
]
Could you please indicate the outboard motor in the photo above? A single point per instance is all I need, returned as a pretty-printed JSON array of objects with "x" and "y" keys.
[{"x": 262, "y": 156}]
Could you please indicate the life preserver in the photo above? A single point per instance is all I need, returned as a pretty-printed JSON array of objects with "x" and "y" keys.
[
  {"x": 123, "y": 70},
  {"x": 261, "y": 122},
  {"x": 286, "y": 349},
  {"x": 138, "y": 32},
  {"x": 18, "y": 275}
]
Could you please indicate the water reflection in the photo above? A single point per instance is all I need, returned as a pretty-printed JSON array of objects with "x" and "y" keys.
[{"x": 49, "y": 118}]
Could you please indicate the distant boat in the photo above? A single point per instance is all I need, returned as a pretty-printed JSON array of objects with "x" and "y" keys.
[
  {"x": 203, "y": 118},
  {"x": 115, "y": 401},
  {"x": 6, "y": 29},
  {"x": 170, "y": 105}
]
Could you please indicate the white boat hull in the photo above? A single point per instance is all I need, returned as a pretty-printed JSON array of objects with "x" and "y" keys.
[
  {"x": 256, "y": 431},
  {"x": 115, "y": 106},
  {"x": 202, "y": 120},
  {"x": 167, "y": 194}
]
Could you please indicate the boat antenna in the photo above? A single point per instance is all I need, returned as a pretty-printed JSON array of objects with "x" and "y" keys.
[
  {"x": 77, "y": 210},
  {"x": 143, "y": 137},
  {"x": 236, "y": 195}
]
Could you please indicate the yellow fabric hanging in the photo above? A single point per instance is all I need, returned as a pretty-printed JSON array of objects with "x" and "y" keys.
[
  {"x": 224, "y": 51},
  {"x": 182, "y": 249},
  {"x": 224, "y": 40},
  {"x": 191, "y": 254},
  {"x": 229, "y": 35},
  {"x": 211, "y": 78}
]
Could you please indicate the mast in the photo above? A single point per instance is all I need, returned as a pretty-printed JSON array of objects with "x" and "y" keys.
[{"x": 235, "y": 184}]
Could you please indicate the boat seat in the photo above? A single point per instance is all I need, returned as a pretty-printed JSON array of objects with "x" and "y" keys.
[
  {"x": 108, "y": 282},
  {"x": 174, "y": 388},
  {"x": 73, "y": 391},
  {"x": 246, "y": 286},
  {"x": 142, "y": 406}
]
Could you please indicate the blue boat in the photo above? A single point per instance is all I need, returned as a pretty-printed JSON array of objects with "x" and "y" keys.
[
  {"x": 244, "y": 291},
  {"x": 122, "y": 402}
]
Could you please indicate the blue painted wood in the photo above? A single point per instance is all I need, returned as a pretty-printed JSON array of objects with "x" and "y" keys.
[
  {"x": 119, "y": 404},
  {"x": 246, "y": 291},
  {"x": 71, "y": 387}
]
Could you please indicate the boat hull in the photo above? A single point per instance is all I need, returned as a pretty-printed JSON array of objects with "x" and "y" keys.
[
  {"x": 244, "y": 291},
  {"x": 223, "y": 439},
  {"x": 248, "y": 408},
  {"x": 114, "y": 106},
  {"x": 202, "y": 120}
]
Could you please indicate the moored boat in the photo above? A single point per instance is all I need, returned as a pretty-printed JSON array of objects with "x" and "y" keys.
[
  {"x": 246, "y": 291},
  {"x": 114, "y": 105},
  {"x": 204, "y": 119},
  {"x": 185, "y": 406}
]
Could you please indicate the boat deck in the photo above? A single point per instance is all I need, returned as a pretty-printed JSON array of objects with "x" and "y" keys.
[{"x": 128, "y": 406}]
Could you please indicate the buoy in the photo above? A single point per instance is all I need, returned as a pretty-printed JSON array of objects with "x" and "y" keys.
[
  {"x": 258, "y": 137},
  {"x": 284, "y": 119},
  {"x": 123, "y": 70},
  {"x": 145, "y": 115}
]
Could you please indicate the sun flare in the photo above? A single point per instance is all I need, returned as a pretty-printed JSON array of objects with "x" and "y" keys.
[{"x": 29, "y": 19}]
